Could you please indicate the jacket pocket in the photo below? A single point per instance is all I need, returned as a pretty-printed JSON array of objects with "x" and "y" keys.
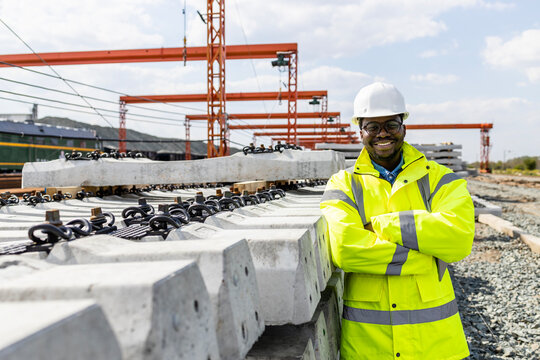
[
  {"x": 363, "y": 287},
  {"x": 430, "y": 288}
]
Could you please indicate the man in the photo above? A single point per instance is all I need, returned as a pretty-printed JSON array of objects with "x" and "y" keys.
[{"x": 395, "y": 219}]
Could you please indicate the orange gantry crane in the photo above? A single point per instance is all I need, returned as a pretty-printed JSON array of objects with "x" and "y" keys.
[
  {"x": 485, "y": 144},
  {"x": 214, "y": 53},
  {"x": 284, "y": 126},
  {"x": 291, "y": 136},
  {"x": 305, "y": 133},
  {"x": 243, "y": 96},
  {"x": 193, "y": 53},
  {"x": 265, "y": 116},
  {"x": 215, "y": 64},
  {"x": 310, "y": 142}
]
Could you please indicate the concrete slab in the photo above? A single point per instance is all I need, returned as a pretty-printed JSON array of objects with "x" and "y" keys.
[
  {"x": 277, "y": 206},
  {"x": 56, "y": 329},
  {"x": 60, "y": 330},
  {"x": 226, "y": 266},
  {"x": 282, "y": 343},
  {"x": 257, "y": 210},
  {"x": 329, "y": 306},
  {"x": 485, "y": 207},
  {"x": 316, "y": 225},
  {"x": 37, "y": 255},
  {"x": 285, "y": 267},
  {"x": 435, "y": 155},
  {"x": 500, "y": 224},
  {"x": 308, "y": 190},
  {"x": 9, "y": 247},
  {"x": 339, "y": 147},
  {"x": 446, "y": 161},
  {"x": 532, "y": 241},
  {"x": 509, "y": 229},
  {"x": 156, "y": 309},
  {"x": 16, "y": 266},
  {"x": 291, "y": 164},
  {"x": 69, "y": 211},
  {"x": 301, "y": 200},
  {"x": 326, "y": 336},
  {"x": 337, "y": 283},
  {"x": 290, "y": 341}
]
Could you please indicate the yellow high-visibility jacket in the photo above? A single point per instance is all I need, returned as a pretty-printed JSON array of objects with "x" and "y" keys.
[{"x": 395, "y": 304}]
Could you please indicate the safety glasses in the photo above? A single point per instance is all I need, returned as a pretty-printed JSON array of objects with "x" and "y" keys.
[{"x": 374, "y": 128}]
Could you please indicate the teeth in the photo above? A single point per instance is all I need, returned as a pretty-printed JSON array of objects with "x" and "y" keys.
[{"x": 383, "y": 143}]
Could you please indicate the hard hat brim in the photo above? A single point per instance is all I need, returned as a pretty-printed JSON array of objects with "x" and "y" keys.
[{"x": 355, "y": 121}]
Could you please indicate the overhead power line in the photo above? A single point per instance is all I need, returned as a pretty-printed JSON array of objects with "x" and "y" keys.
[
  {"x": 89, "y": 97},
  {"x": 57, "y": 74},
  {"x": 96, "y": 110},
  {"x": 83, "y": 106},
  {"x": 91, "y": 113},
  {"x": 102, "y": 88}
]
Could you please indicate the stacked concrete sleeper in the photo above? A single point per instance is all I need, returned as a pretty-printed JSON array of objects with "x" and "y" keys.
[{"x": 233, "y": 287}]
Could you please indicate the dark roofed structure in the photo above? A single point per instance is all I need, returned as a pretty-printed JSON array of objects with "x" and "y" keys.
[
  {"x": 49, "y": 130},
  {"x": 167, "y": 149}
]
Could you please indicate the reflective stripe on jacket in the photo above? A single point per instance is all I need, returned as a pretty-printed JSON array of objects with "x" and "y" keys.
[{"x": 396, "y": 306}]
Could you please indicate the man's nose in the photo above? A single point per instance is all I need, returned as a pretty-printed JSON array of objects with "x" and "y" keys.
[{"x": 383, "y": 132}]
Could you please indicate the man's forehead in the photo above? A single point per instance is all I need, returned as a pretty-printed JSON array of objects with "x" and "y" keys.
[{"x": 380, "y": 119}]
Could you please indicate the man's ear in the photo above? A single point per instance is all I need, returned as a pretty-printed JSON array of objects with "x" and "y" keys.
[
  {"x": 361, "y": 134},
  {"x": 404, "y": 130}
]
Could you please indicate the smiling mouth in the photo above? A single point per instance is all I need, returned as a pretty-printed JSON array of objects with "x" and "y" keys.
[{"x": 383, "y": 144}]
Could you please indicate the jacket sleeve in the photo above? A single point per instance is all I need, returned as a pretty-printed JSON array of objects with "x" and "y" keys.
[
  {"x": 355, "y": 249},
  {"x": 446, "y": 232}
]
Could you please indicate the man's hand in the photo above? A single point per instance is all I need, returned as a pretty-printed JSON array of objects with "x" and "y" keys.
[{"x": 369, "y": 227}]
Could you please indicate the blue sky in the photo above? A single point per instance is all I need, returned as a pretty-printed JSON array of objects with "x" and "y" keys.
[{"x": 455, "y": 61}]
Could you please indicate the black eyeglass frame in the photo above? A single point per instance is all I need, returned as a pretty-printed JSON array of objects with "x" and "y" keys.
[{"x": 385, "y": 126}]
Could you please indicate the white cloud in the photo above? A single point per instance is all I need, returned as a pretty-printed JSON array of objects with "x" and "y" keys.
[
  {"x": 435, "y": 79},
  {"x": 429, "y": 53},
  {"x": 504, "y": 113},
  {"x": 497, "y": 5},
  {"x": 439, "y": 52},
  {"x": 336, "y": 78},
  {"x": 522, "y": 53},
  {"x": 345, "y": 26},
  {"x": 342, "y": 86},
  {"x": 65, "y": 25},
  {"x": 469, "y": 110}
]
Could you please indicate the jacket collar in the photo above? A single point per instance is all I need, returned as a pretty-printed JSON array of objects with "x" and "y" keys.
[{"x": 363, "y": 164}]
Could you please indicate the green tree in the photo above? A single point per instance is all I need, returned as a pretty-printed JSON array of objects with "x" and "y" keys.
[{"x": 529, "y": 163}]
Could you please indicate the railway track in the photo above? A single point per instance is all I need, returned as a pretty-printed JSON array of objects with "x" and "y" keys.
[
  {"x": 266, "y": 234},
  {"x": 176, "y": 272}
]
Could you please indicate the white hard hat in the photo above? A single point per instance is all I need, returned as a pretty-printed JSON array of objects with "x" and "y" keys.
[{"x": 378, "y": 99}]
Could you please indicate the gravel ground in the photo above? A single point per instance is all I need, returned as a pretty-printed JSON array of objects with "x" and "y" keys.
[
  {"x": 520, "y": 204},
  {"x": 497, "y": 286}
]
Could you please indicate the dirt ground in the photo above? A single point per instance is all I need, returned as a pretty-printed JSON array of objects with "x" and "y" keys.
[{"x": 518, "y": 196}]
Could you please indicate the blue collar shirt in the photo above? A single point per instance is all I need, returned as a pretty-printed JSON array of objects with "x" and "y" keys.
[{"x": 389, "y": 176}]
